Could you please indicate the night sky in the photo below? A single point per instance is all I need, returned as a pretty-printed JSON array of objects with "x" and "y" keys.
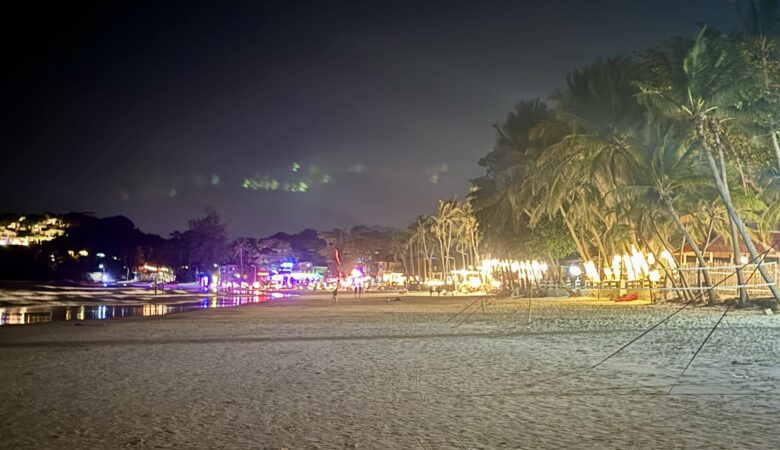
[{"x": 156, "y": 110}]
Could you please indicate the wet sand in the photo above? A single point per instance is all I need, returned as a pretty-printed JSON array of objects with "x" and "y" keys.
[{"x": 307, "y": 373}]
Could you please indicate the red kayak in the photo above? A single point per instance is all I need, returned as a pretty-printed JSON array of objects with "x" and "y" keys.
[{"x": 627, "y": 298}]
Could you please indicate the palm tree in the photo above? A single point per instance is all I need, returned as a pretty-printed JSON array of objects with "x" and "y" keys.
[
  {"x": 758, "y": 36},
  {"x": 240, "y": 248},
  {"x": 410, "y": 247},
  {"x": 422, "y": 234},
  {"x": 700, "y": 91},
  {"x": 469, "y": 232},
  {"x": 443, "y": 230},
  {"x": 600, "y": 112},
  {"x": 399, "y": 246},
  {"x": 499, "y": 210},
  {"x": 663, "y": 169}
]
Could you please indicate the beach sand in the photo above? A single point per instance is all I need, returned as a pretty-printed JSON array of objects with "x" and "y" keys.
[{"x": 370, "y": 373}]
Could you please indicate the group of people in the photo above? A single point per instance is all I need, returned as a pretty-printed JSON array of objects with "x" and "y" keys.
[
  {"x": 358, "y": 290},
  {"x": 441, "y": 290}
]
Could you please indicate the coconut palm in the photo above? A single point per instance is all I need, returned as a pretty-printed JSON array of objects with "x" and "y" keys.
[
  {"x": 700, "y": 91},
  {"x": 240, "y": 248},
  {"x": 599, "y": 109},
  {"x": 500, "y": 212},
  {"x": 664, "y": 168},
  {"x": 422, "y": 235},
  {"x": 444, "y": 230},
  {"x": 400, "y": 248}
]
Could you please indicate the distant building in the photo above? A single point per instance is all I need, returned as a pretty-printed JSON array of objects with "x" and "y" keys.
[
  {"x": 160, "y": 274},
  {"x": 25, "y": 231}
]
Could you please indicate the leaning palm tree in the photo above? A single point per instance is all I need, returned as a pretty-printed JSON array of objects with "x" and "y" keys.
[
  {"x": 664, "y": 169},
  {"x": 600, "y": 111},
  {"x": 700, "y": 91}
]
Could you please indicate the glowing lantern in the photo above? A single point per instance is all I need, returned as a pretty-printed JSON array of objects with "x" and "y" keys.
[
  {"x": 616, "y": 263},
  {"x": 629, "y": 267},
  {"x": 591, "y": 272},
  {"x": 654, "y": 276},
  {"x": 668, "y": 258}
]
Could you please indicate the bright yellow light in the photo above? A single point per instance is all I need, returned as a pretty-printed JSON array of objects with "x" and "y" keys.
[
  {"x": 616, "y": 263},
  {"x": 83, "y": 253},
  {"x": 654, "y": 275},
  {"x": 475, "y": 282},
  {"x": 630, "y": 271},
  {"x": 743, "y": 259},
  {"x": 592, "y": 272},
  {"x": 668, "y": 258}
]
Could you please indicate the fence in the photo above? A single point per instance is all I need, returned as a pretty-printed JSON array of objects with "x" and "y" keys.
[{"x": 724, "y": 278}]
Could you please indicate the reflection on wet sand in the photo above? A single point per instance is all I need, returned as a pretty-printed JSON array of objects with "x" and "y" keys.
[{"x": 26, "y": 315}]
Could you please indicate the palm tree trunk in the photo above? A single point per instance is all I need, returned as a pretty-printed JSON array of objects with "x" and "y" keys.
[
  {"x": 710, "y": 227},
  {"x": 475, "y": 246},
  {"x": 425, "y": 252},
  {"x": 668, "y": 247},
  {"x": 411, "y": 258},
  {"x": 690, "y": 242},
  {"x": 403, "y": 260},
  {"x": 602, "y": 249},
  {"x": 443, "y": 261},
  {"x": 448, "y": 247},
  {"x": 580, "y": 249},
  {"x": 741, "y": 228},
  {"x": 726, "y": 198},
  {"x": 776, "y": 146},
  {"x": 743, "y": 297}
]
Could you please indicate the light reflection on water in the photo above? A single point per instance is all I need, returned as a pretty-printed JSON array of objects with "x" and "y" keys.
[{"x": 27, "y": 315}]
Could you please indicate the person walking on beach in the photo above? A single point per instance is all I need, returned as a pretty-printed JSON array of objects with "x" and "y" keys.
[{"x": 335, "y": 297}]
